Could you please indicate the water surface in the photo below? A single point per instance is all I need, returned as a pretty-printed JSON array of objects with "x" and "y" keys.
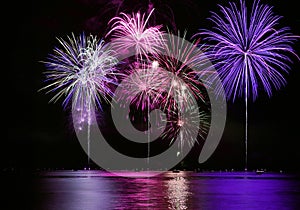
[{"x": 96, "y": 190}]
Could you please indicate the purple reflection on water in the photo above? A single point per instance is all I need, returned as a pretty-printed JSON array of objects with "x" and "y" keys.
[
  {"x": 245, "y": 191},
  {"x": 91, "y": 190}
]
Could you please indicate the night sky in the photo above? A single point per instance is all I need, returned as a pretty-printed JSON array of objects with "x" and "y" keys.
[{"x": 39, "y": 134}]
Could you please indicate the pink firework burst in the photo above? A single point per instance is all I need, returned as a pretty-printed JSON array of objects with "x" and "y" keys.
[
  {"x": 145, "y": 85},
  {"x": 130, "y": 32}
]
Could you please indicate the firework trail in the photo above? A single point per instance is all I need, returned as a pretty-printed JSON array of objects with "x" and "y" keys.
[
  {"x": 249, "y": 50},
  {"x": 131, "y": 32},
  {"x": 81, "y": 70}
]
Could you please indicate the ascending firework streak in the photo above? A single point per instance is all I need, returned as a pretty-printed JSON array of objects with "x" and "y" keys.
[
  {"x": 81, "y": 71},
  {"x": 131, "y": 32},
  {"x": 249, "y": 50}
]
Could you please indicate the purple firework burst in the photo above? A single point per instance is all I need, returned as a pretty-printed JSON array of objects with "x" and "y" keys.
[{"x": 249, "y": 50}]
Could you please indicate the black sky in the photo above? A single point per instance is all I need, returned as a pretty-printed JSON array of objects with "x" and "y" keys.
[{"x": 38, "y": 134}]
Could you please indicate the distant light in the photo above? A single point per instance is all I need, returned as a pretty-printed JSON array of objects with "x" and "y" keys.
[
  {"x": 174, "y": 83},
  {"x": 155, "y": 64},
  {"x": 180, "y": 123}
]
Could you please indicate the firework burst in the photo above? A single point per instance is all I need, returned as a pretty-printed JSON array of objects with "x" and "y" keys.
[
  {"x": 131, "y": 32},
  {"x": 181, "y": 60},
  {"x": 184, "y": 123},
  {"x": 184, "y": 92},
  {"x": 81, "y": 69},
  {"x": 249, "y": 50},
  {"x": 145, "y": 86}
]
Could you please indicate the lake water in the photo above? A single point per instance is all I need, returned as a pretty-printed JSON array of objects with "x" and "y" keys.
[{"x": 96, "y": 190}]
